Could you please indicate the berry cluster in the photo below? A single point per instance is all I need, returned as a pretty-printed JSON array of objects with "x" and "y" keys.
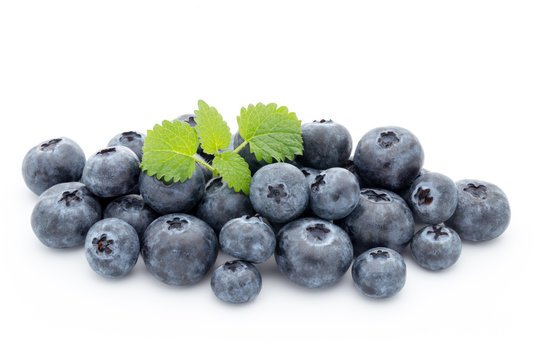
[{"x": 317, "y": 215}]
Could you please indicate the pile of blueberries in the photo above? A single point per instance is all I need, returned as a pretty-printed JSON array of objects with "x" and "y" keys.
[{"x": 317, "y": 215}]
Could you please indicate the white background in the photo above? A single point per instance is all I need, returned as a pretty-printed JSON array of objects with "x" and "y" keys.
[{"x": 462, "y": 75}]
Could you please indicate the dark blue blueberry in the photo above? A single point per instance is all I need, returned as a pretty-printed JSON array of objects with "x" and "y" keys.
[
  {"x": 436, "y": 247},
  {"x": 112, "y": 248},
  {"x": 432, "y": 198},
  {"x": 389, "y": 158},
  {"x": 349, "y": 165},
  {"x": 279, "y": 192},
  {"x": 308, "y": 172},
  {"x": 132, "y": 139},
  {"x": 236, "y": 282},
  {"x": 327, "y": 144},
  {"x": 52, "y": 162},
  {"x": 482, "y": 212},
  {"x": 171, "y": 197},
  {"x": 379, "y": 272},
  {"x": 113, "y": 171},
  {"x": 220, "y": 204},
  {"x": 246, "y": 153},
  {"x": 179, "y": 249},
  {"x": 313, "y": 252},
  {"x": 381, "y": 218},
  {"x": 333, "y": 193},
  {"x": 63, "y": 215},
  {"x": 248, "y": 238},
  {"x": 133, "y": 210}
]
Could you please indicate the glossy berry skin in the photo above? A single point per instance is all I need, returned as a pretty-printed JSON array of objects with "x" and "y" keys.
[
  {"x": 389, "y": 158},
  {"x": 179, "y": 249},
  {"x": 333, "y": 193},
  {"x": 63, "y": 215},
  {"x": 279, "y": 192},
  {"x": 312, "y": 252},
  {"x": 436, "y": 247},
  {"x": 482, "y": 213},
  {"x": 379, "y": 272},
  {"x": 112, "y": 248},
  {"x": 236, "y": 282},
  {"x": 52, "y": 162},
  {"x": 248, "y": 238},
  {"x": 327, "y": 144},
  {"x": 131, "y": 139},
  {"x": 113, "y": 171},
  {"x": 432, "y": 198},
  {"x": 133, "y": 210},
  {"x": 166, "y": 198},
  {"x": 381, "y": 218},
  {"x": 220, "y": 204}
]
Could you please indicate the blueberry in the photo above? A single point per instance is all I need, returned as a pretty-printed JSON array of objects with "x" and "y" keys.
[
  {"x": 132, "y": 139},
  {"x": 248, "y": 156},
  {"x": 327, "y": 144},
  {"x": 220, "y": 204},
  {"x": 279, "y": 192},
  {"x": 112, "y": 248},
  {"x": 379, "y": 272},
  {"x": 349, "y": 165},
  {"x": 133, "y": 210},
  {"x": 63, "y": 215},
  {"x": 389, "y": 158},
  {"x": 309, "y": 173},
  {"x": 436, "y": 247},
  {"x": 52, "y": 162},
  {"x": 236, "y": 282},
  {"x": 381, "y": 218},
  {"x": 248, "y": 238},
  {"x": 333, "y": 193},
  {"x": 432, "y": 198},
  {"x": 313, "y": 252},
  {"x": 171, "y": 197},
  {"x": 113, "y": 171},
  {"x": 482, "y": 212},
  {"x": 179, "y": 249}
]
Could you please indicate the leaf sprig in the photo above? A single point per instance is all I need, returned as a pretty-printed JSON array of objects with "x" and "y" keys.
[{"x": 272, "y": 132}]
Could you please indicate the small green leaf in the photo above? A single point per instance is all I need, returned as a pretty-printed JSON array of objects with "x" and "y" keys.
[
  {"x": 272, "y": 132},
  {"x": 234, "y": 170},
  {"x": 212, "y": 130},
  {"x": 169, "y": 151}
]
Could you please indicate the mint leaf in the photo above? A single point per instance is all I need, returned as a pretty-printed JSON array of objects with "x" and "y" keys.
[
  {"x": 169, "y": 151},
  {"x": 234, "y": 170},
  {"x": 212, "y": 130},
  {"x": 272, "y": 132}
]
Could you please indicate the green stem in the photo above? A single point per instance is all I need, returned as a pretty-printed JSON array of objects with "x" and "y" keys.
[
  {"x": 205, "y": 164},
  {"x": 240, "y": 146}
]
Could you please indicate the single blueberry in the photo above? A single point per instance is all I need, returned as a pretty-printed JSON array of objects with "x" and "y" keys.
[
  {"x": 436, "y": 247},
  {"x": 112, "y": 248},
  {"x": 248, "y": 238},
  {"x": 312, "y": 252},
  {"x": 381, "y": 218},
  {"x": 327, "y": 144},
  {"x": 131, "y": 139},
  {"x": 482, "y": 212},
  {"x": 63, "y": 215},
  {"x": 179, "y": 249},
  {"x": 113, "y": 171},
  {"x": 279, "y": 192},
  {"x": 236, "y": 282},
  {"x": 389, "y": 158},
  {"x": 52, "y": 162},
  {"x": 133, "y": 210},
  {"x": 219, "y": 204},
  {"x": 379, "y": 272}
]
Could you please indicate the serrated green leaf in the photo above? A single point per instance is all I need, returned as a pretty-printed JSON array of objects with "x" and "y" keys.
[
  {"x": 212, "y": 130},
  {"x": 234, "y": 170},
  {"x": 272, "y": 132},
  {"x": 169, "y": 150}
]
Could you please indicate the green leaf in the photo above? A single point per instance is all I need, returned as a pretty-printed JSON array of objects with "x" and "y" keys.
[
  {"x": 234, "y": 170},
  {"x": 212, "y": 130},
  {"x": 169, "y": 151},
  {"x": 272, "y": 132}
]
